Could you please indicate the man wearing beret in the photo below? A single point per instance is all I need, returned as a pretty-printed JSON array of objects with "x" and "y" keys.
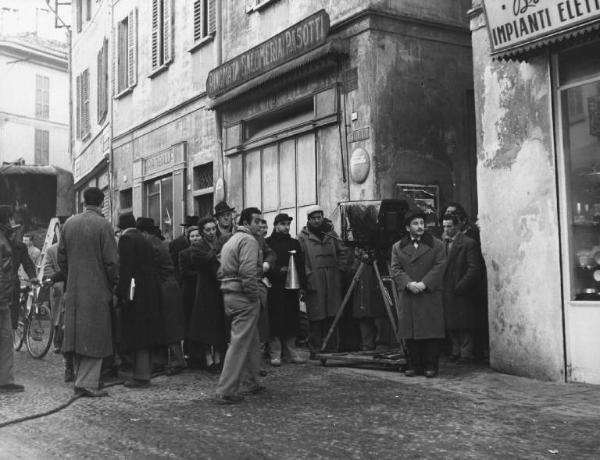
[{"x": 418, "y": 262}]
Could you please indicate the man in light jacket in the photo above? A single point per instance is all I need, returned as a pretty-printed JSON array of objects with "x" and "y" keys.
[{"x": 240, "y": 273}]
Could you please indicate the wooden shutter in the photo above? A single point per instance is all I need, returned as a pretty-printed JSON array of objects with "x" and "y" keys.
[
  {"x": 167, "y": 31},
  {"x": 85, "y": 106},
  {"x": 79, "y": 6},
  {"x": 100, "y": 89},
  {"x": 212, "y": 17},
  {"x": 132, "y": 48},
  {"x": 197, "y": 20},
  {"x": 155, "y": 33},
  {"x": 104, "y": 79},
  {"x": 113, "y": 73},
  {"x": 78, "y": 108}
]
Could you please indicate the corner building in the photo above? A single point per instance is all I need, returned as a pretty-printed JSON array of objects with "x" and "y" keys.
[
  {"x": 537, "y": 92},
  {"x": 324, "y": 102}
]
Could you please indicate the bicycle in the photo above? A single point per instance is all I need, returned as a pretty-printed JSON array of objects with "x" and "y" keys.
[{"x": 35, "y": 324}]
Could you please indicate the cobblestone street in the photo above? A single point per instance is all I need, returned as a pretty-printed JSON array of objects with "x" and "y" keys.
[{"x": 308, "y": 411}]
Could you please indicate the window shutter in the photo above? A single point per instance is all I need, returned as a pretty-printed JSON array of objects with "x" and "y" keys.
[
  {"x": 85, "y": 94},
  {"x": 197, "y": 20},
  {"x": 167, "y": 31},
  {"x": 132, "y": 48},
  {"x": 155, "y": 33},
  {"x": 212, "y": 17},
  {"x": 100, "y": 90},
  {"x": 78, "y": 102},
  {"x": 104, "y": 78},
  {"x": 79, "y": 15},
  {"x": 114, "y": 58}
]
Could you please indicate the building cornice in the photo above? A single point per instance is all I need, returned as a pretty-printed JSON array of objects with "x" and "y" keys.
[{"x": 25, "y": 51}]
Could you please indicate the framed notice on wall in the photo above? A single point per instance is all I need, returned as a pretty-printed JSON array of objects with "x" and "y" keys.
[
  {"x": 426, "y": 197},
  {"x": 594, "y": 115}
]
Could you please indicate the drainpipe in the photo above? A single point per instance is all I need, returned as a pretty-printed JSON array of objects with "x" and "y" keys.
[
  {"x": 218, "y": 120},
  {"x": 70, "y": 75}
]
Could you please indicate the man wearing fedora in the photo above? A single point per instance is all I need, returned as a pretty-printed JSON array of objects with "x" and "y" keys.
[
  {"x": 418, "y": 262},
  {"x": 225, "y": 225},
  {"x": 88, "y": 256},
  {"x": 7, "y": 286},
  {"x": 138, "y": 294}
]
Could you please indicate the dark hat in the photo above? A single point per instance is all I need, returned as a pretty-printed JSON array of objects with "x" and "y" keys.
[
  {"x": 145, "y": 223},
  {"x": 126, "y": 221},
  {"x": 190, "y": 220},
  {"x": 222, "y": 208},
  {"x": 5, "y": 213},
  {"x": 413, "y": 214},
  {"x": 282, "y": 218}
]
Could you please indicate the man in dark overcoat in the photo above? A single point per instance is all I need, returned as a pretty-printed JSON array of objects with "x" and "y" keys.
[
  {"x": 138, "y": 293},
  {"x": 417, "y": 268},
  {"x": 22, "y": 260},
  {"x": 88, "y": 256},
  {"x": 461, "y": 277},
  {"x": 284, "y": 307}
]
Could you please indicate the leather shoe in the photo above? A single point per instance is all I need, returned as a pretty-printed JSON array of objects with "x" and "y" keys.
[
  {"x": 228, "y": 399},
  {"x": 136, "y": 383},
  {"x": 11, "y": 388},
  {"x": 410, "y": 372},
  {"x": 90, "y": 393},
  {"x": 430, "y": 373}
]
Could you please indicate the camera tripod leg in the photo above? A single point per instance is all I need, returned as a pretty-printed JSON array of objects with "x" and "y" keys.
[
  {"x": 386, "y": 299},
  {"x": 340, "y": 312}
]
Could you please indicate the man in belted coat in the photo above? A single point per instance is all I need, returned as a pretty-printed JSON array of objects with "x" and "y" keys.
[
  {"x": 87, "y": 255},
  {"x": 461, "y": 276},
  {"x": 418, "y": 263}
]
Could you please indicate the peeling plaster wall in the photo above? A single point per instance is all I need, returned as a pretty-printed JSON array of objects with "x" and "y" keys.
[{"x": 518, "y": 211}]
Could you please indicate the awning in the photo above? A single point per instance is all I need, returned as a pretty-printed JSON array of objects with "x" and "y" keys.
[
  {"x": 557, "y": 40},
  {"x": 14, "y": 170},
  {"x": 333, "y": 47}
]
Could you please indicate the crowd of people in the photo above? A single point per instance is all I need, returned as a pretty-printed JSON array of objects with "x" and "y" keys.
[{"x": 219, "y": 296}]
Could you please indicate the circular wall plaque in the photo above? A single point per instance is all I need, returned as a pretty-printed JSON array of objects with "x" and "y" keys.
[{"x": 360, "y": 164}]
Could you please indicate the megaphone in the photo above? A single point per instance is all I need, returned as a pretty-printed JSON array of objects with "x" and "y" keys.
[{"x": 291, "y": 281}]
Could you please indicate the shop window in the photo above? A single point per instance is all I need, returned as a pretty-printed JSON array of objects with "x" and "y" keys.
[
  {"x": 579, "y": 96},
  {"x": 282, "y": 177},
  {"x": 205, "y": 24},
  {"x": 279, "y": 120},
  {"x": 126, "y": 54},
  {"x": 159, "y": 204},
  {"x": 162, "y": 33},
  {"x": 42, "y": 97}
]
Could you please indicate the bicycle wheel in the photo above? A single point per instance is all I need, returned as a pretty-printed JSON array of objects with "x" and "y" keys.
[{"x": 39, "y": 332}]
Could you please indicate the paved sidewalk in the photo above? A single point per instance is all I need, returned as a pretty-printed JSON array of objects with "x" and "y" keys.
[{"x": 309, "y": 411}]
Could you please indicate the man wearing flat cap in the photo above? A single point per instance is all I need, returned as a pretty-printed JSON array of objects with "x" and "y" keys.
[
  {"x": 224, "y": 216},
  {"x": 87, "y": 255},
  {"x": 418, "y": 262}
]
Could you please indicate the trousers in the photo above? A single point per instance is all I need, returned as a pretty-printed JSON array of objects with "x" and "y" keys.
[
  {"x": 423, "y": 354},
  {"x": 87, "y": 371},
  {"x": 6, "y": 349},
  {"x": 318, "y": 331},
  {"x": 462, "y": 342},
  {"x": 242, "y": 359}
]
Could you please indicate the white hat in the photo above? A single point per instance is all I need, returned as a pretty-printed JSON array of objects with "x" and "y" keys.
[{"x": 312, "y": 209}]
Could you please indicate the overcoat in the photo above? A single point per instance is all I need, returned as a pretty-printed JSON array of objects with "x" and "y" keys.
[
  {"x": 461, "y": 277},
  {"x": 175, "y": 247},
  {"x": 420, "y": 316},
  {"x": 284, "y": 306},
  {"x": 7, "y": 274},
  {"x": 207, "y": 318},
  {"x": 87, "y": 255},
  {"x": 171, "y": 302},
  {"x": 323, "y": 262},
  {"x": 140, "y": 318}
]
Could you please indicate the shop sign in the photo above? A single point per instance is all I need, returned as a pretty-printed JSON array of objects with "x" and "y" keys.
[
  {"x": 289, "y": 44},
  {"x": 87, "y": 161},
  {"x": 158, "y": 161},
  {"x": 515, "y": 23}
]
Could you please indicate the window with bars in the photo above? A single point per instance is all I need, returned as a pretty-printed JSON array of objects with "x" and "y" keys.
[
  {"x": 102, "y": 106},
  {"x": 42, "y": 97},
  {"x": 83, "y": 104},
  {"x": 125, "y": 54},
  {"x": 203, "y": 176},
  {"x": 42, "y": 147},
  {"x": 162, "y": 33},
  {"x": 205, "y": 24}
]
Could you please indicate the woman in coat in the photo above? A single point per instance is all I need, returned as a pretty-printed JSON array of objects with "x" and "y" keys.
[
  {"x": 171, "y": 303},
  {"x": 324, "y": 260},
  {"x": 207, "y": 330}
]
